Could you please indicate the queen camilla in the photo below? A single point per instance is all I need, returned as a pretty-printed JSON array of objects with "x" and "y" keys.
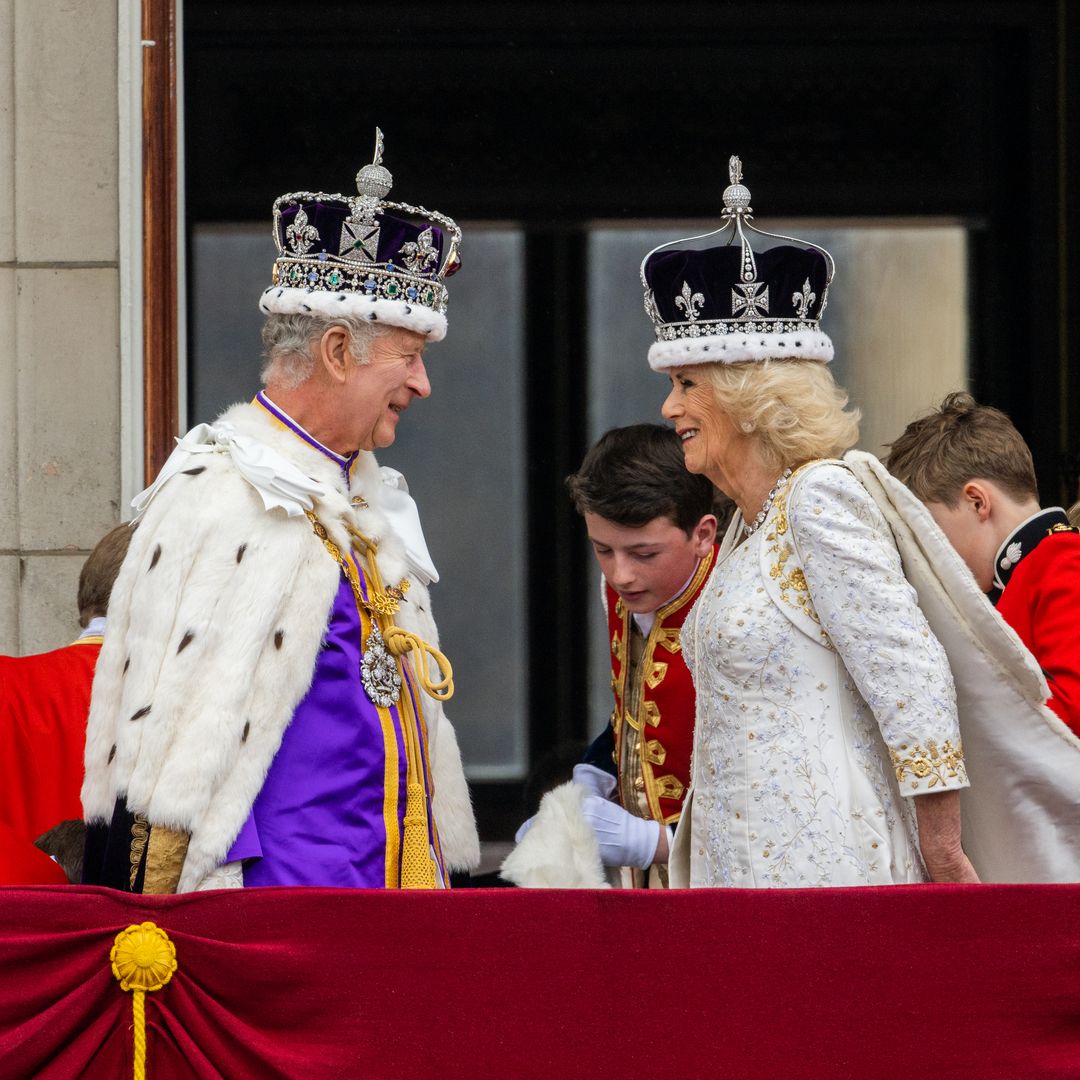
[{"x": 826, "y": 749}]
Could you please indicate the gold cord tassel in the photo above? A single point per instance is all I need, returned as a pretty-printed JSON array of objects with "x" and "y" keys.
[
  {"x": 143, "y": 959},
  {"x": 417, "y": 869}
]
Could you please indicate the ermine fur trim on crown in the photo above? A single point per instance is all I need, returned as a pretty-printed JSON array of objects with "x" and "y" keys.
[
  {"x": 411, "y": 316},
  {"x": 739, "y": 348}
]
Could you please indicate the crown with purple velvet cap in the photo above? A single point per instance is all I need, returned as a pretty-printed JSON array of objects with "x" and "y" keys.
[
  {"x": 727, "y": 302},
  {"x": 360, "y": 255}
]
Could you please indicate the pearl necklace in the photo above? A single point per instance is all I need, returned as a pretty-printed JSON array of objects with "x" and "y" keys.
[{"x": 763, "y": 513}]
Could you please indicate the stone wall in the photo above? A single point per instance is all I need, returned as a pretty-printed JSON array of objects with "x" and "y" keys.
[{"x": 59, "y": 303}]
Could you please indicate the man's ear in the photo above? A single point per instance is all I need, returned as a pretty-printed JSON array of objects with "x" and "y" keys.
[
  {"x": 980, "y": 497},
  {"x": 704, "y": 535},
  {"x": 335, "y": 354}
]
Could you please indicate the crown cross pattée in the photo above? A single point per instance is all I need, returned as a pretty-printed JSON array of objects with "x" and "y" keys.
[
  {"x": 359, "y": 240},
  {"x": 754, "y": 300},
  {"x": 300, "y": 235},
  {"x": 690, "y": 302}
]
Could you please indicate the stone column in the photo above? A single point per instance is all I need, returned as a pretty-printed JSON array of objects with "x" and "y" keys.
[{"x": 59, "y": 300}]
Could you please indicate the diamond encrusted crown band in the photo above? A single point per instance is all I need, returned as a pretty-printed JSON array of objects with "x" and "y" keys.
[{"x": 390, "y": 283}]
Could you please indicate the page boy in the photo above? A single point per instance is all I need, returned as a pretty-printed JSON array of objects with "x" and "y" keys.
[
  {"x": 970, "y": 466},
  {"x": 653, "y": 530}
]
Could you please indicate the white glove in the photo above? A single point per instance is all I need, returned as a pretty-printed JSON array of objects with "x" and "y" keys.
[
  {"x": 595, "y": 781},
  {"x": 625, "y": 840}
]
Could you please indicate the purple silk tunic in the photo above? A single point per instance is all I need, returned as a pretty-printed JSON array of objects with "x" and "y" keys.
[{"x": 319, "y": 818}]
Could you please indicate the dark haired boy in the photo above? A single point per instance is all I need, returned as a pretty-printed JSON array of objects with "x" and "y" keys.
[
  {"x": 973, "y": 470},
  {"x": 653, "y": 529}
]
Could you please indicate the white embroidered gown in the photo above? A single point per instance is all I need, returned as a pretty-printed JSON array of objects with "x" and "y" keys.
[{"x": 823, "y": 699}]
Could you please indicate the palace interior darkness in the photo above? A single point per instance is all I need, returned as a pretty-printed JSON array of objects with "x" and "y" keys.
[{"x": 553, "y": 116}]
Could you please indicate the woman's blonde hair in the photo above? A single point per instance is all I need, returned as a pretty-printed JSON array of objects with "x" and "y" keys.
[{"x": 792, "y": 406}]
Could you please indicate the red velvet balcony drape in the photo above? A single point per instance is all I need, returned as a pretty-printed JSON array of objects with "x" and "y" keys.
[{"x": 943, "y": 981}]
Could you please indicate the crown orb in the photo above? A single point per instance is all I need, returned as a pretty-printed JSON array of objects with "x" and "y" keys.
[
  {"x": 374, "y": 180},
  {"x": 736, "y": 197}
]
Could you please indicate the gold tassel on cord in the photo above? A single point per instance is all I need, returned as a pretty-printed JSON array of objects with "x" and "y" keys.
[{"x": 417, "y": 869}]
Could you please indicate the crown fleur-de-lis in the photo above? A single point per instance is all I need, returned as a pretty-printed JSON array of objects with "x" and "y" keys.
[
  {"x": 690, "y": 302},
  {"x": 418, "y": 253},
  {"x": 803, "y": 300},
  {"x": 300, "y": 235}
]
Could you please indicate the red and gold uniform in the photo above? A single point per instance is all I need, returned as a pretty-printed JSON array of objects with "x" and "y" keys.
[
  {"x": 653, "y": 720},
  {"x": 1038, "y": 568}
]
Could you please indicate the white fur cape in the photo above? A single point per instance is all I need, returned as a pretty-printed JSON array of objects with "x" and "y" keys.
[
  {"x": 1020, "y": 815},
  {"x": 215, "y": 623}
]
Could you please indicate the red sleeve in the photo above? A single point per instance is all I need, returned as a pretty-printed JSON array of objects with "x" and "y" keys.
[
  {"x": 44, "y": 701},
  {"x": 1042, "y": 603},
  {"x": 23, "y": 864}
]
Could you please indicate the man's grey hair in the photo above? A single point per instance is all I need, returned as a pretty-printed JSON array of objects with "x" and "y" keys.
[{"x": 289, "y": 344}]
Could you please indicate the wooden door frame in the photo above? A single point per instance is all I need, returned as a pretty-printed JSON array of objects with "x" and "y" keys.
[{"x": 161, "y": 238}]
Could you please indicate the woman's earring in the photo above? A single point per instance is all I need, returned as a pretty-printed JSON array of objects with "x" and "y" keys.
[{"x": 746, "y": 426}]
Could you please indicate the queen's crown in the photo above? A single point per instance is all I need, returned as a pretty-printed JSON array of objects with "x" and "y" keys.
[{"x": 726, "y": 302}]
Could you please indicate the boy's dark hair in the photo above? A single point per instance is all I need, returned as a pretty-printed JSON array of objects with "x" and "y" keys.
[
  {"x": 961, "y": 441},
  {"x": 635, "y": 474},
  {"x": 99, "y": 572}
]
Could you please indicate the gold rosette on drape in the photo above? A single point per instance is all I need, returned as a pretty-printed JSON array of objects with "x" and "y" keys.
[{"x": 143, "y": 960}]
